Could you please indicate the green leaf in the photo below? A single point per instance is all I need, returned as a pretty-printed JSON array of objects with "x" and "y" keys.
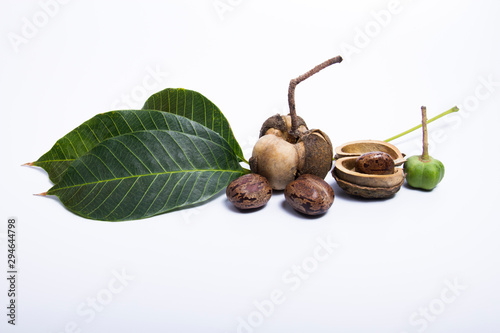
[
  {"x": 108, "y": 125},
  {"x": 197, "y": 107},
  {"x": 142, "y": 174}
]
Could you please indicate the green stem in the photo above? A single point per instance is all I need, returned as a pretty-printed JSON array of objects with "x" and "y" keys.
[
  {"x": 246, "y": 170},
  {"x": 453, "y": 109}
]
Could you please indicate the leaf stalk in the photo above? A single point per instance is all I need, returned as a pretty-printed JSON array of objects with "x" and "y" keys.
[{"x": 453, "y": 109}]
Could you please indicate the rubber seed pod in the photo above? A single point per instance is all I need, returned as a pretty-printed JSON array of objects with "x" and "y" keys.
[
  {"x": 275, "y": 159},
  {"x": 286, "y": 148},
  {"x": 423, "y": 174},
  {"x": 423, "y": 171},
  {"x": 315, "y": 153},
  {"x": 281, "y": 125}
]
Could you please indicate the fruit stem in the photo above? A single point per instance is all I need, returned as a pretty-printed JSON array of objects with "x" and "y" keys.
[
  {"x": 293, "y": 84},
  {"x": 453, "y": 109},
  {"x": 425, "y": 151}
]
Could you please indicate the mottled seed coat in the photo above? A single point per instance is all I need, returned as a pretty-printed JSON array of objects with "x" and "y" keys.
[
  {"x": 310, "y": 195},
  {"x": 375, "y": 163},
  {"x": 249, "y": 191}
]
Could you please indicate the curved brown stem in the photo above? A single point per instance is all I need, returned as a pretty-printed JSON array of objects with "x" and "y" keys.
[{"x": 293, "y": 84}]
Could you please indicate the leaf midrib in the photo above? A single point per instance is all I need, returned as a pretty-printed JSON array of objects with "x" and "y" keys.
[
  {"x": 141, "y": 131},
  {"x": 143, "y": 175}
]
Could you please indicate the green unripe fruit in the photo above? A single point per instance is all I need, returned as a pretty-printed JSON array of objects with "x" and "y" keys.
[
  {"x": 424, "y": 171},
  {"x": 423, "y": 174}
]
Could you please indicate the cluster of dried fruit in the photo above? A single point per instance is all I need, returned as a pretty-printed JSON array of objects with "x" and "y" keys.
[
  {"x": 281, "y": 160},
  {"x": 290, "y": 157}
]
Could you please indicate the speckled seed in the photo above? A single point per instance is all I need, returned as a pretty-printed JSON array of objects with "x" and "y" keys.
[
  {"x": 249, "y": 191},
  {"x": 375, "y": 163},
  {"x": 309, "y": 194}
]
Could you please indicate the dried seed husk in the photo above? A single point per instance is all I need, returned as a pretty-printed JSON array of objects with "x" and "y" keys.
[
  {"x": 280, "y": 125},
  {"x": 345, "y": 170},
  {"x": 366, "y": 191},
  {"x": 360, "y": 147},
  {"x": 275, "y": 159},
  {"x": 315, "y": 153},
  {"x": 366, "y": 185}
]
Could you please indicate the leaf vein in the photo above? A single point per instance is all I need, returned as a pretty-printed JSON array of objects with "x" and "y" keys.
[
  {"x": 123, "y": 198},
  {"x": 105, "y": 199},
  {"x": 142, "y": 198}
]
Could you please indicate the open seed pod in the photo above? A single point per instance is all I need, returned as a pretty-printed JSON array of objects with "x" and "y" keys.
[
  {"x": 366, "y": 185},
  {"x": 286, "y": 148},
  {"x": 281, "y": 161},
  {"x": 358, "y": 148},
  {"x": 363, "y": 184}
]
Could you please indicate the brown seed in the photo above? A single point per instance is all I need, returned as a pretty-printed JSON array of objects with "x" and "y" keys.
[
  {"x": 375, "y": 163},
  {"x": 309, "y": 194},
  {"x": 249, "y": 191}
]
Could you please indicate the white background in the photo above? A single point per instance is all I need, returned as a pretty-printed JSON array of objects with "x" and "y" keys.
[{"x": 212, "y": 268}]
